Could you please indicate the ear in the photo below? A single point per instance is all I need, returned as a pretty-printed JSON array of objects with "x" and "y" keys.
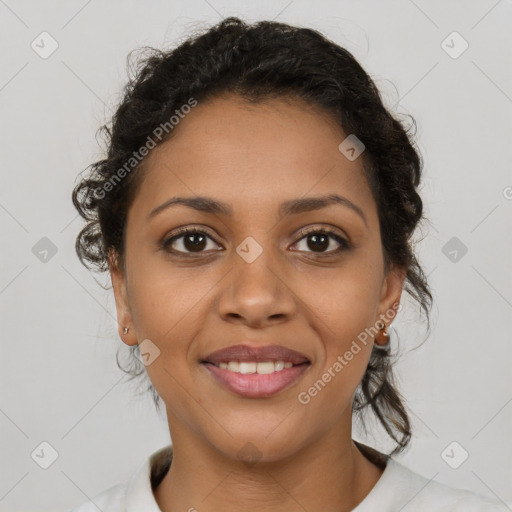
[
  {"x": 124, "y": 317},
  {"x": 392, "y": 287}
]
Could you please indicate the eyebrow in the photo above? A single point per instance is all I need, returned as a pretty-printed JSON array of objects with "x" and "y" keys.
[{"x": 290, "y": 207}]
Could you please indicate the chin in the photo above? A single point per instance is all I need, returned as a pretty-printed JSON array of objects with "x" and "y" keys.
[{"x": 259, "y": 447}]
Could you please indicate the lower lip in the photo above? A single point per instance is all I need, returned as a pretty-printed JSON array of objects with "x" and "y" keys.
[{"x": 254, "y": 385}]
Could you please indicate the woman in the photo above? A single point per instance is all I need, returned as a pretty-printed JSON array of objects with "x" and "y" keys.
[{"x": 255, "y": 211}]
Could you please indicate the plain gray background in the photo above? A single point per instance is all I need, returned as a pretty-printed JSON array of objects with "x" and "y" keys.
[{"x": 59, "y": 379}]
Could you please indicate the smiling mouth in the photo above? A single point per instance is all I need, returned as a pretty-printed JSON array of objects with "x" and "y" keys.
[
  {"x": 256, "y": 379},
  {"x": 254, "y": 367}
]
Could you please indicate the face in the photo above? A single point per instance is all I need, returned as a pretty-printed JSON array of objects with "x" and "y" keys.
[{"x": 256, "y": 274}]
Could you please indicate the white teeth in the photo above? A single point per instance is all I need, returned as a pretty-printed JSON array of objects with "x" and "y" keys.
[
  {"x": 267, "y": 367},
  {"x": 279, "y": 365},
  {"x": 244, "y": 367},
  {"x": 233, "y": 366},
  {"x": 262, "y": 368}
]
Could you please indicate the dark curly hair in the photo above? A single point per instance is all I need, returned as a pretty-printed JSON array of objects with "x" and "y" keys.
[{"x": 262, "y": 61}]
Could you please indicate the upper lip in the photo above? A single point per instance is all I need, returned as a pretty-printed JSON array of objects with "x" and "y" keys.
[{"x": 248, "y": 353}]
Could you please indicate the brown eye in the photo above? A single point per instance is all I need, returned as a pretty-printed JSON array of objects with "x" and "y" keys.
[
  {"x": 319, "y": 240},
  {"x": 187, "y": 241}
]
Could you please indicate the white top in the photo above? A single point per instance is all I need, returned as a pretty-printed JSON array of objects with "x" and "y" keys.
[{"x": 398, "y": 488}]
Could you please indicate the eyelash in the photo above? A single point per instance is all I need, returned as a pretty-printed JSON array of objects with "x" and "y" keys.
[{"x": 344, "y": 244}]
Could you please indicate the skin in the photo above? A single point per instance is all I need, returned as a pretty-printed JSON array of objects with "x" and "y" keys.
[{"x": 254, "y": 157}]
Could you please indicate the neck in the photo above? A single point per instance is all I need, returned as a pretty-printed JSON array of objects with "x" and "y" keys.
[{"x": 329, "y": 475}]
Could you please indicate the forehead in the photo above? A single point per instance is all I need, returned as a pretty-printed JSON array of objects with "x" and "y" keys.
[{"x": 252, "y": 156}]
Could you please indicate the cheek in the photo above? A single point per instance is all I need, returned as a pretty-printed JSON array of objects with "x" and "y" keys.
[
  {"x": 165, "y": 300},
  {"x": 343, "y": 304},
  {"x": 168, "y": 307},
  {"x": 343, "y": 300},
  {"x": 340, "y": 321}
]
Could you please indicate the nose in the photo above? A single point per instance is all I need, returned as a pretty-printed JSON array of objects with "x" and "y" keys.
[{"x": 257, "y": 294}]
